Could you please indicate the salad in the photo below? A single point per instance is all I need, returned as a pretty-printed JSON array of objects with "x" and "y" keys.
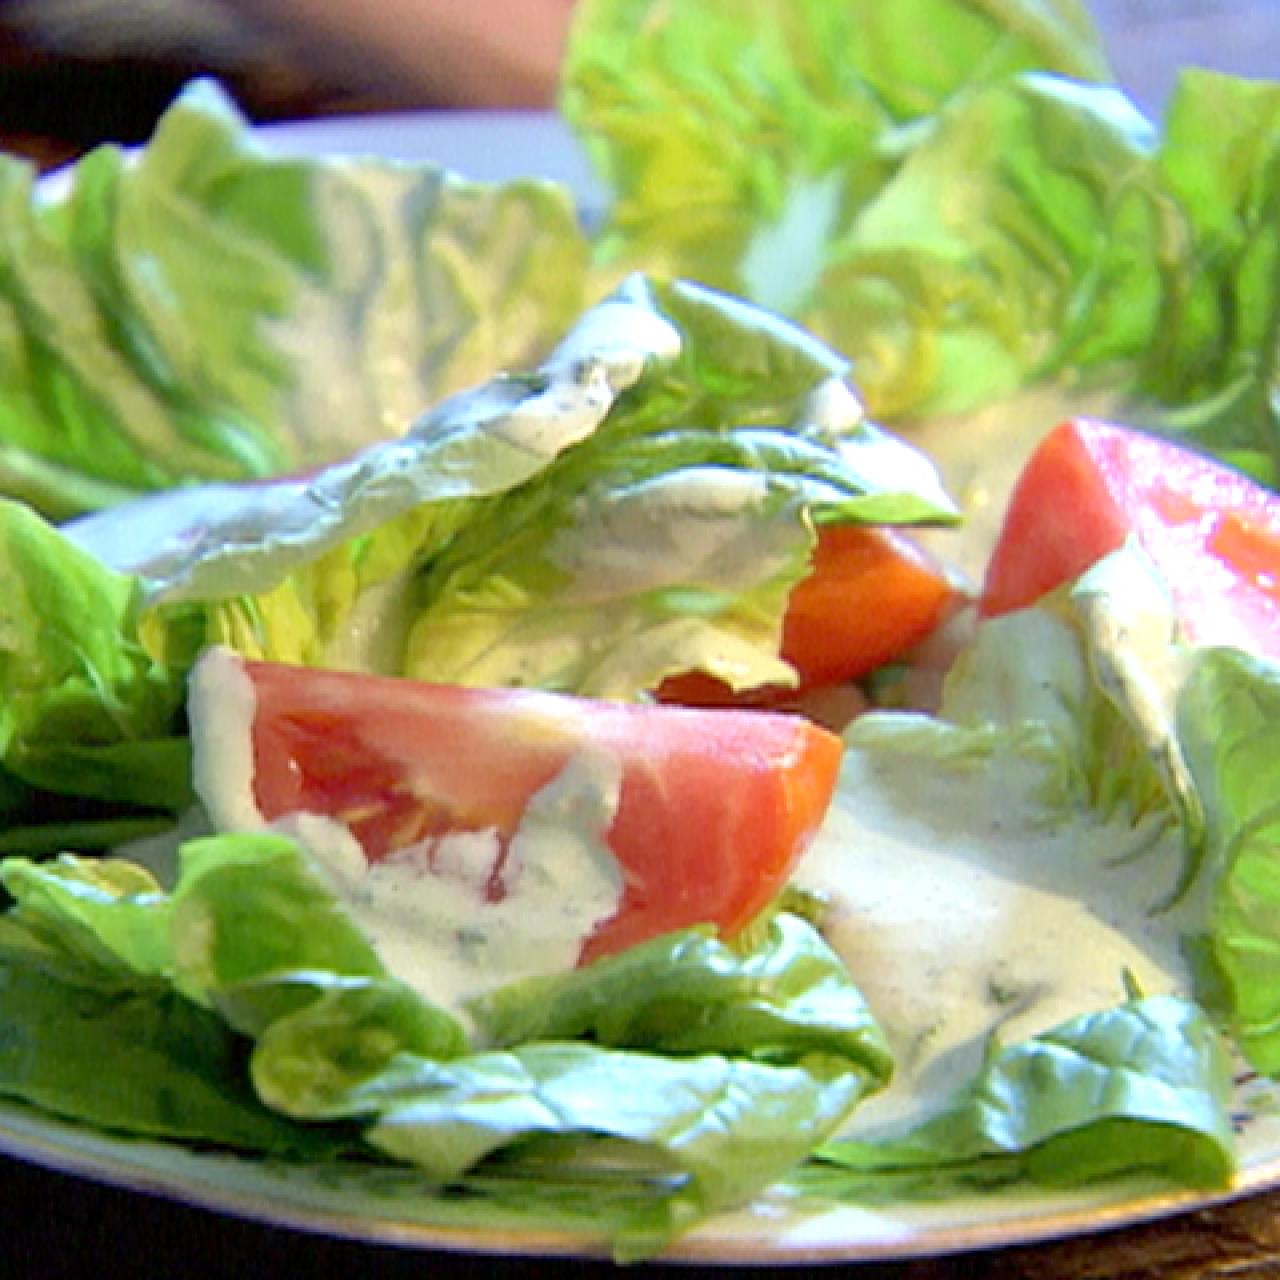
[{"x": 363, "y": 527}]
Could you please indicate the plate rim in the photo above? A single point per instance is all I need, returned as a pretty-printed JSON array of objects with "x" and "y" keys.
[{"x": 775, "y": 1229}]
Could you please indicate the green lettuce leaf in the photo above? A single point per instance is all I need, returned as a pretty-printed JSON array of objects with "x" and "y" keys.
[
  {"x": 85, "y": 711},
  {"x": 671, "y": 538},
  {"x": 96, "y": 1032},
  {"x": 1228, "y": 724},
  {"x": 1142, "y": 1088},
  {"x": 201, "y": 309},
  {"x": 639, "y": 504},
  {"x": 961, "y": 226},
  {"x": 788, "y": 994},
  {"x": 1217, "y": 364},
  {"x": 1093, "y": 673},
  {"x": 738, "y": 139},
  {"x": 705, "y": 1132},
  {"x": 704, "y": 1101}
]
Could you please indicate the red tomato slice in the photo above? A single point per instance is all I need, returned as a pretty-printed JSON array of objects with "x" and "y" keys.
[
  {"x": 870, "y": 596},
  {"x": 1213, "y": 533},
  {"x": 715, "y": 806}
]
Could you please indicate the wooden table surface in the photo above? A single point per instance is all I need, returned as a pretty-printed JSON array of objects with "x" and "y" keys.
[
  {"x": 58, "y": 1225},
  {"x": 55, "y": 1225}
]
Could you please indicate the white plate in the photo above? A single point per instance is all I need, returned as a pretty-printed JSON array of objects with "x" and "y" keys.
[{"x": 389, "y": 1205}]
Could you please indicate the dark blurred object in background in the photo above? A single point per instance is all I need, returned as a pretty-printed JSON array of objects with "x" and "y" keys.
[{"x": 77, "y": 72}]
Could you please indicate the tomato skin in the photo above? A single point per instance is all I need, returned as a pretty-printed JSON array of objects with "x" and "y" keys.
[
  {"x": 715, "y": 806},
  {"x": 871, "y": 594},
  {"x": 1213, "y": 533}
]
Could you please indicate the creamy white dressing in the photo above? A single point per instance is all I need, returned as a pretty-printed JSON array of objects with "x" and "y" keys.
[
  {"x": 1131, "y": 619},
  {"x": 373, "y": 633},
  {"x": 618, "y": 337},
  {"x": 960, "y": 911},
  {"x": 222, "y": 703},
  {"x": 426, "y": 908},
  {"x": 834, "y": 408},
  {"x": 688, "y": 524},
  {"x": 957, "y": 909}
]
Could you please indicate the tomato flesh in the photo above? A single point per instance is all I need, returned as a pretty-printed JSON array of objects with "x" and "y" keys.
[
  {"x": 871, "y": 595},
  {"x": 715, "y": 807},
  {"x": 1213, "y": 533}
]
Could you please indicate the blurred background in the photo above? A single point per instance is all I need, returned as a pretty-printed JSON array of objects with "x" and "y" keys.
[{"x": 76, "y": 72}]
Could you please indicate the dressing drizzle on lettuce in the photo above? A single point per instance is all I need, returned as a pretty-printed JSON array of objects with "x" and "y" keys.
[{"x": 639, "y": 504}]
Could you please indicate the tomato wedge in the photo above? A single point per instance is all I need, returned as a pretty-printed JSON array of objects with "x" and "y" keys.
[
  {"x": 714, "y": 808},
  {"x": 871, "y": 594},
  {"x": 1213, "y": 533}
]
